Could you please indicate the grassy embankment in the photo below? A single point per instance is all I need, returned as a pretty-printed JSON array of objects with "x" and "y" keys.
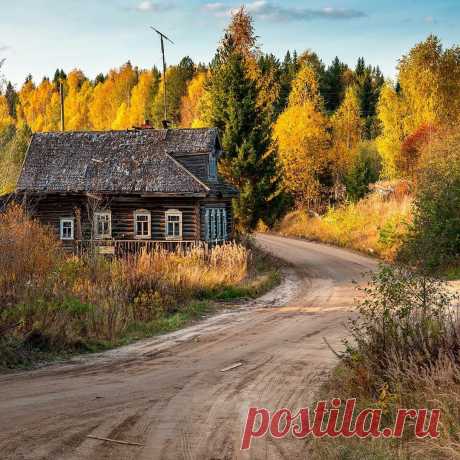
[
  {"x": 372, "y": 225},
  {"x": 53, "y": 305}
]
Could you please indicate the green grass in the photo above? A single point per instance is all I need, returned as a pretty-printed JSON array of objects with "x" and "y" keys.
[
  {"x": 250, "y": 290},
  {"x": 453, "y": 273}
]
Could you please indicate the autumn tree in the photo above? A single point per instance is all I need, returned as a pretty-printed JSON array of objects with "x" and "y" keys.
[
  {"x": 430, "y": 83},
  {"x": 5, "y": 118},
  {"x": 78, "y": 91},
  {"x": 302, "y": 138},
  {"x": 177, "y": 79},
  {"x": 268, "y": 81},
  {"x": 192, "y": 107},
  {"x": 111, "y": 98},
  {"x": 392, "y": 112},
  {"x": 346, "y": 133},
  {"x": 142, "y": 96},
  {"x": 39, "y": 107},
  {"x": 241, "y": 32},
  {"x": 407, "y": 158},
  {"x": 305, "y": 87},
  {"x": 13, "y": 145}
]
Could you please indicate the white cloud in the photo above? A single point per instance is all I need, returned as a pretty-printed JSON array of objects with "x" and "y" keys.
[
  {"x": 263, "y": 9},
  {"x": 148, "y": 5},
  {"x": 430, "y": 20},
  {"x": 214, "y": 6},
  {"x": 217, "y": 9}
]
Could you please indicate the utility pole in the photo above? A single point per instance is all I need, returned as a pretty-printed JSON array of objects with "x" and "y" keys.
[
  {"x": 163, "y": 36},
  {"x": 61, "y": 91}
]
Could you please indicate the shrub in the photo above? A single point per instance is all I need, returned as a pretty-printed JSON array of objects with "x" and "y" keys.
[
  {"x": 405, "y": 320},
  {"x": 364, "y": 171},
  {"x": 434, "y": 239},
  {"x": 29, "y": 252}
]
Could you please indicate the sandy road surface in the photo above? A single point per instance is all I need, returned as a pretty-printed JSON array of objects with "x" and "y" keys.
[{"x": 169, "y": 393}]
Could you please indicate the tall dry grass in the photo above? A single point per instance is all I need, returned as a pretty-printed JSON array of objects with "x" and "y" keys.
[
  {"x": 52, "y": 301},
  {"x": 28, "y": 253},
  {"x": 404, "y": 352},
  {"x": 372, "y": 225}
]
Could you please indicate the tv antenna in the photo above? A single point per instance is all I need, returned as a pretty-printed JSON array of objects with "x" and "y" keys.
[{"x": 162, "y": 38}]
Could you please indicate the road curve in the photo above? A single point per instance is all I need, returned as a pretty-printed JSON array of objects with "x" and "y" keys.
[{"x": 169, "y": 393}]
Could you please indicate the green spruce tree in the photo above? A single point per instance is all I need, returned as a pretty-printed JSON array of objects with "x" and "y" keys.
[{"x": 249, "y": 163}]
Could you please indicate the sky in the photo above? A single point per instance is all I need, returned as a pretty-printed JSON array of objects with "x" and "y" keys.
[{"x": 38, "y": 36}]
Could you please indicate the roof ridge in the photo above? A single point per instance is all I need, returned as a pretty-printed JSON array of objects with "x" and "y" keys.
[{"x": 129, "y": 130}]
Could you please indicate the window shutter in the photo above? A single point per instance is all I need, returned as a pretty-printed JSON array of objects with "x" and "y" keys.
[
  {"x": 213, "y": 224},
  {"x": 218, "y": 225},
  {"x": 224, "y": 223},
  {"x": 206, "y": 225}
]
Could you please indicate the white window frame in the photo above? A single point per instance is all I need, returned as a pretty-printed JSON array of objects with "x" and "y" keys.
[
  {"x": 98, "y": 236},
  {"x": 170, "y": 213},
  {"x": 212, "y": 167},
  {"x": 143, "y": 212},
  {"x": 72, "y": 228}
]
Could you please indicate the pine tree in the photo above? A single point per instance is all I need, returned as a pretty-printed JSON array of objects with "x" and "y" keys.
[
  {"x": 249, "y": 162},
  {"x": 12, "y": 99},
  {"x": 59, "y": 76},
  {"x": 100, "y": 78},
  {"x": 333, "y": 85},
  {"x": 289, "y": 69},
  {"x": 368, "y": 81}
]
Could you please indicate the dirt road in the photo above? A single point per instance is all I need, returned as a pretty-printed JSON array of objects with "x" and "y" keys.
[{"x": 169, "y": 393}]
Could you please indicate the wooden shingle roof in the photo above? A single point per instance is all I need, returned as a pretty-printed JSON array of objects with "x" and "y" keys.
[{"x": 139, "y": 161}]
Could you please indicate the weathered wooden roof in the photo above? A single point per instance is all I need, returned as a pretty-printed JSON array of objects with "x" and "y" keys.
[{"x": 139, "y": 161}]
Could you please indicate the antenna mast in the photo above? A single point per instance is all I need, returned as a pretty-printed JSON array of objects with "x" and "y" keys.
[
  {"x": 163, "y": 36},
  {"x": 61, "y": 96}
]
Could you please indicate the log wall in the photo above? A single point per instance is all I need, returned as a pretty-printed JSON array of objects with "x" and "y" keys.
[{"x": 49, "y": 209}]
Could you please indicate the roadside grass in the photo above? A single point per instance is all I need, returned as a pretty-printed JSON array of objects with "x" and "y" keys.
[
  {"x": 263, "y": 274},
  {"x": 436, "y": 388},
  {"x": 372, "y": 225},
  {"x": 403, "y": 353},
  {"x": 453, "y": 273},
  {"x": 53, "y": 305}
]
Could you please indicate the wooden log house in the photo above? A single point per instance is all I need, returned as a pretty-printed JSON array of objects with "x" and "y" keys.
[{"x": 123, "y": 190}]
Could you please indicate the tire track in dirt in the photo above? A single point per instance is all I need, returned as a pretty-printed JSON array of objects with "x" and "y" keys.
[{"x": 169, "y": 393}]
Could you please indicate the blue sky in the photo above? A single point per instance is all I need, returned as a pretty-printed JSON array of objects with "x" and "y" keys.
[{"x": 37, "y": 36}]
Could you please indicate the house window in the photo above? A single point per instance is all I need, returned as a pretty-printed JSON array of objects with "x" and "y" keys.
[
  {"x": 66, "y": 228},
  {"x": 216, "y": 224},
  {"x": 173, "y": 223},
  {"x": 103, "y": 224},
  {"x": 212, "y": 167},
  {"x": 142, "y": 223}
]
